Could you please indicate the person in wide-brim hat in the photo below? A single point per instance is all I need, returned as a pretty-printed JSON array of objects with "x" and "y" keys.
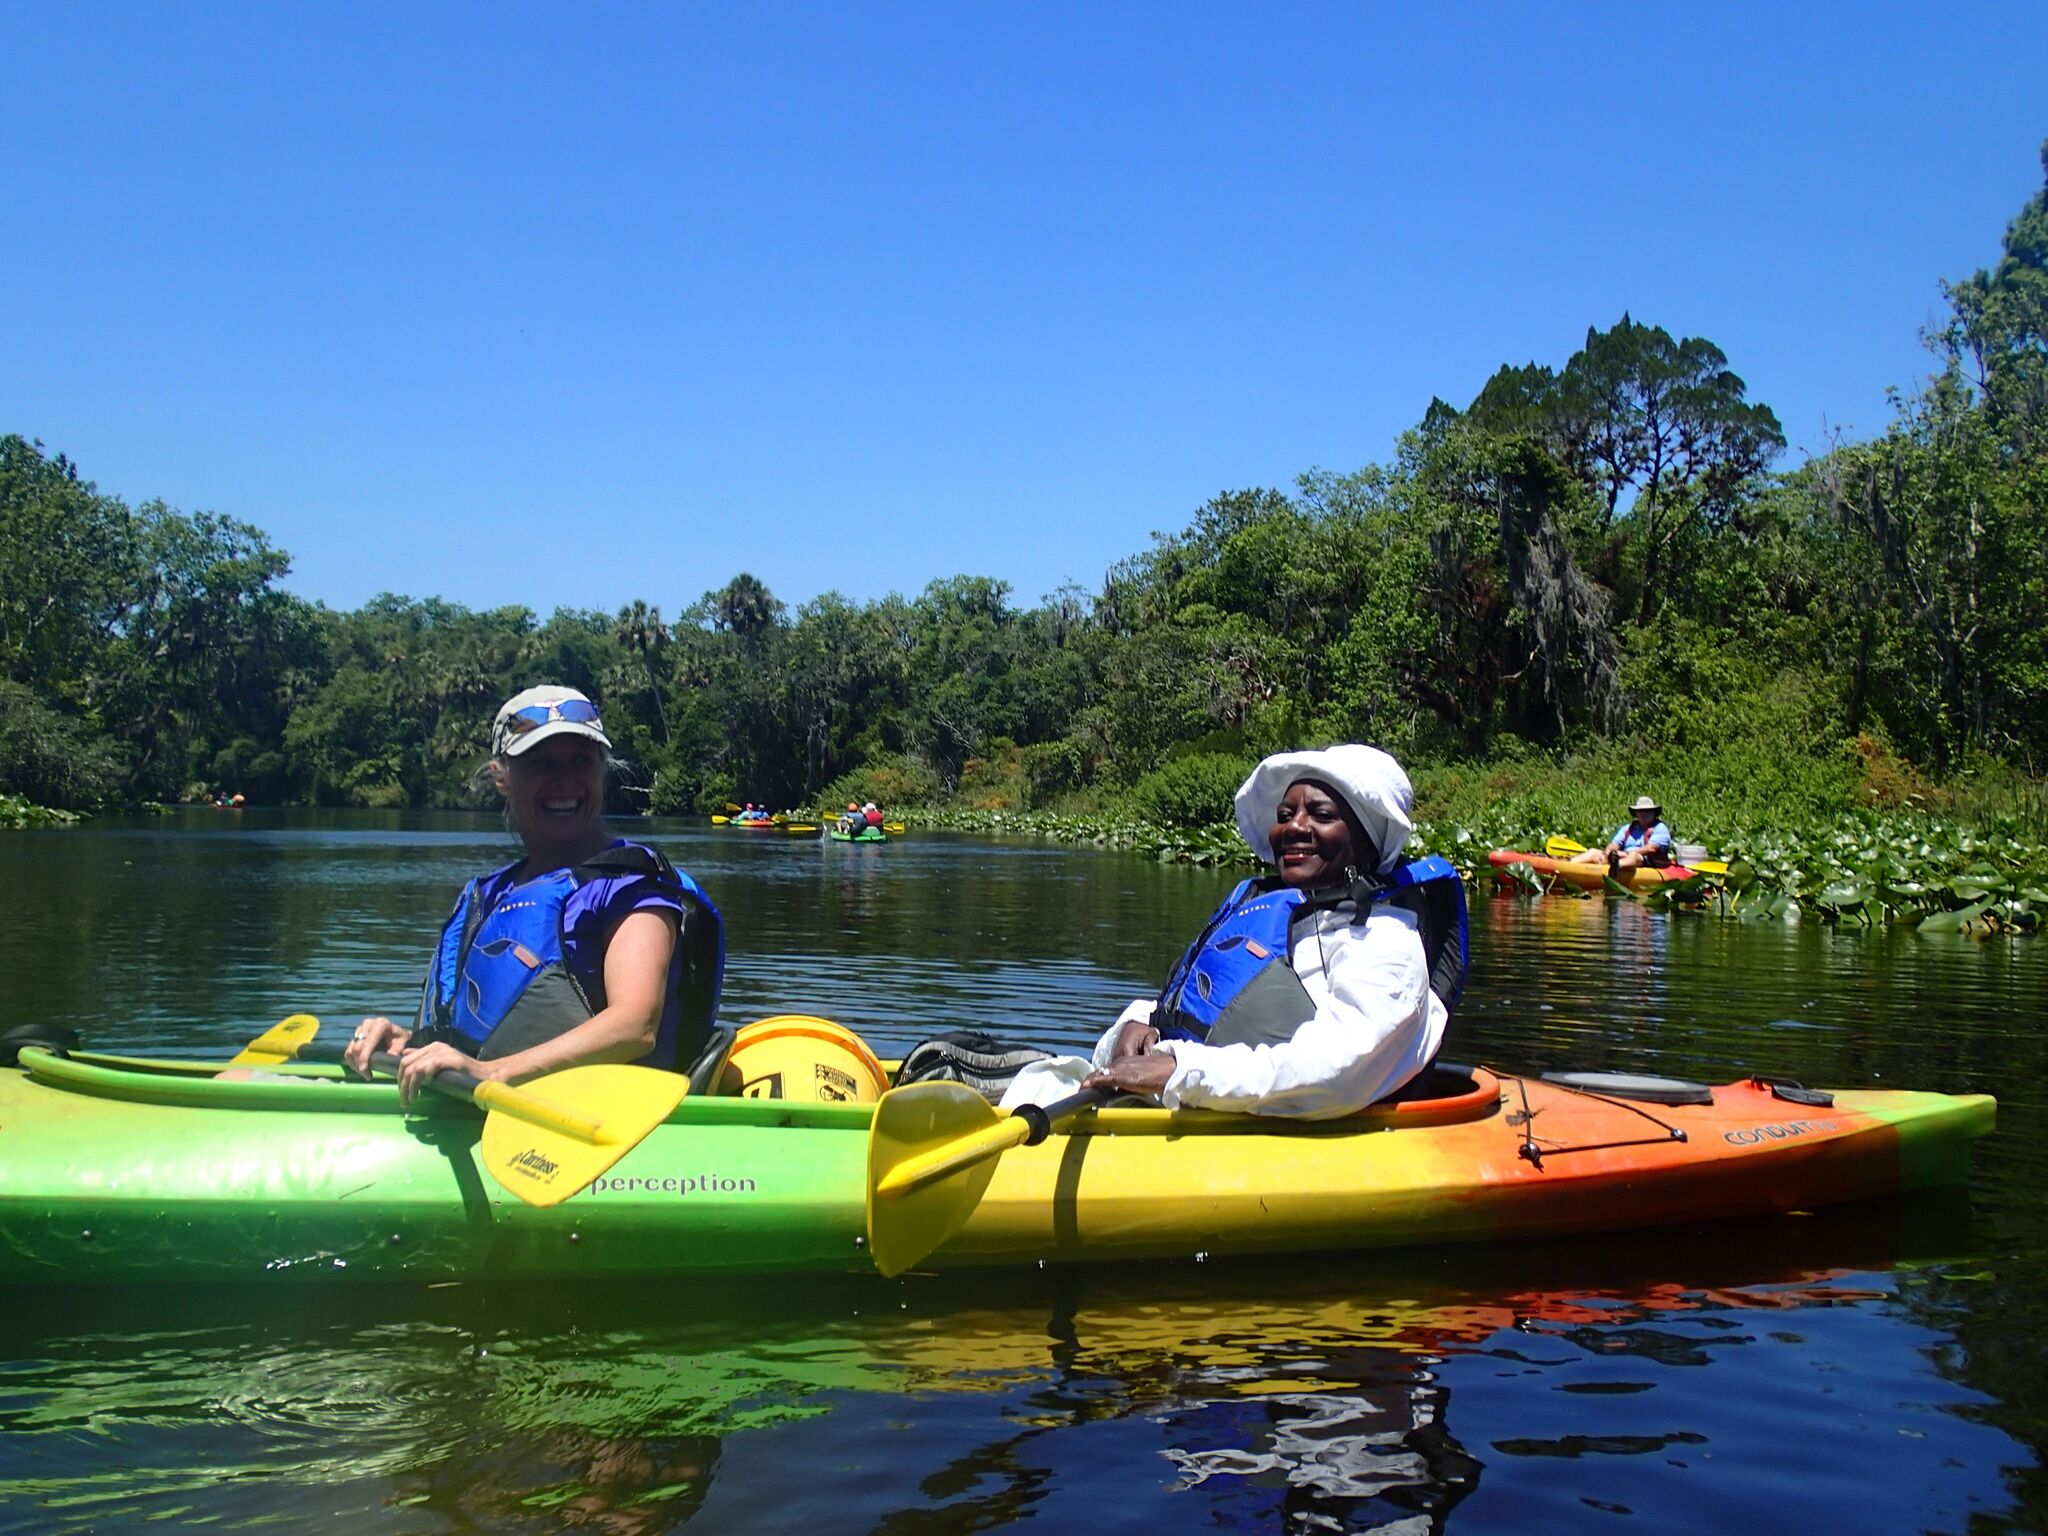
[
  {"x": 1359, "y": 1018},
  {"x": 1643, "y": 839}
]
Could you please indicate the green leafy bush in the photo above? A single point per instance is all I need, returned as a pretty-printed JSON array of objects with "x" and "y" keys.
[
  {"x": 888, "y": 781},
  {"x": 1193, "y": 791},
  {"x": 49, "y": 758},
  {"x": 995, "y": 782},
  {"x": 668, "y": 795},
  {"x": 1052, "y": 769},
  {"x": 677, "y": 791},
  {"x": 16, "y": 813}
]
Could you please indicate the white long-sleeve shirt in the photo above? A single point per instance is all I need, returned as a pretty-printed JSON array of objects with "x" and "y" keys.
[{"x": 1376, "y": 1025}]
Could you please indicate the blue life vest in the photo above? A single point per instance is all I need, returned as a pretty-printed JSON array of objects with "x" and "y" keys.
[
  {"x": 500, "y": 982},
  {"x": 1234, "y": 984}
]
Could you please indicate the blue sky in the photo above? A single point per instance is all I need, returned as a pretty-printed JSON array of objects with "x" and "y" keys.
[{"x": 569, "y": 305}]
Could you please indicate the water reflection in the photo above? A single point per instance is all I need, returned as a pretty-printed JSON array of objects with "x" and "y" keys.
[{"x": 1311, "y": 1395}]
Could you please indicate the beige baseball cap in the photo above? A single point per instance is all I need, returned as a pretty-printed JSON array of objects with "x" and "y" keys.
[{"x": 535, "y": 714}]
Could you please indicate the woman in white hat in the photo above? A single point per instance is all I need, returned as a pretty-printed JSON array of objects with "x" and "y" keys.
[
  {"x": 1310, "y": 993},
  {"x": 1643, "y": 839},
  {"x": 585, "y": 949}
]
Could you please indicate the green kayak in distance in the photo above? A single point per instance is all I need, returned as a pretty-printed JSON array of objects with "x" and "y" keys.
[{"x": 869, "y": 836}]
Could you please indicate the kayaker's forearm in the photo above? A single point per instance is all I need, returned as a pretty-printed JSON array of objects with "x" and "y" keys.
[
  {"x": 611, "y": 1036},
  {"x": 1302, "y": 1080}
]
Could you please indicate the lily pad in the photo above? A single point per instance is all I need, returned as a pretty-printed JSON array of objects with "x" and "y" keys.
[
  {"x": 1954, "y": 921},
  {"x": 1771, "y": 904}
]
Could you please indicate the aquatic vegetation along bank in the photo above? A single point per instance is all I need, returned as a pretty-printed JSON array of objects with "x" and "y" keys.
[{"x": 1868, "y": 868}]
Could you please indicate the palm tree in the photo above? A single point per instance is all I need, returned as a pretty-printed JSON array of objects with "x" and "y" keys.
[
  {"x": 747, "y": 608},
  {"x": 639, "y": 628}
]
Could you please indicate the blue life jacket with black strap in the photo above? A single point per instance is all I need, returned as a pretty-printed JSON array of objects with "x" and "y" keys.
[
  {"x": 1235, "y": 986},
  {"x": 500, "y": 982}
]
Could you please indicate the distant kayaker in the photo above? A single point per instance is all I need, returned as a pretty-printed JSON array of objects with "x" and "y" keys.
[
  {"x": 852, "y": 821},
  {"x": 871, "y": 815},
  {"x": 587, "y": 949},
  {"x": 1643, "y": 839},
  {"x": 1310, "y": 993}
]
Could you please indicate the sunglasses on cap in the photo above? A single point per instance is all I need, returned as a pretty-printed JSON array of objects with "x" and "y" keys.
[{"x": 534, "y": 716}]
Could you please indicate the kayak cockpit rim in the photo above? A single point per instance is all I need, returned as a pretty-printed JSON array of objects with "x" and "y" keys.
[{"x": 1459, "y": 1093}]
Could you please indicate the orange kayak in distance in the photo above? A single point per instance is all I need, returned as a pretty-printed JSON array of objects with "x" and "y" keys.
[{"x": 1588, "y": 875}]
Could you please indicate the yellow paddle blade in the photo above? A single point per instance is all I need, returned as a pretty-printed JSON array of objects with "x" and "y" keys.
[
  {"x": 280, "y": 1042},
  {"x": 1708, "y": 867},
  {"x": 546, "y": 1142},
  {"x": 798, "y": 828},
  {"x": 719, "y": 821},
  {"x": 894, "y": 828},
  {"x": 1562, "y": 847},
  {"x": 731, "y": 809},
  {"x": 914, "y": 1126}
]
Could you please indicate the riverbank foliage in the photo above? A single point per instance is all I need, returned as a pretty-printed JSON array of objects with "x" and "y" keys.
[
  {"x": 15, "y": 812},
  {"x": 1592, "y": 580}
]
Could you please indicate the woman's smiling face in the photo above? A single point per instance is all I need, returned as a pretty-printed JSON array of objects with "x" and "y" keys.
[
  {"x": 554, "y": 790},
  {"x": 1311, "y": 836}
]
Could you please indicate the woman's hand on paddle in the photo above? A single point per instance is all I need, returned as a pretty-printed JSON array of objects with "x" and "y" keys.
[
  {"x": 371, "y": 1036},
  {"x": 1147, "y": 1074},
  {"x": 415, "y": 1067}
]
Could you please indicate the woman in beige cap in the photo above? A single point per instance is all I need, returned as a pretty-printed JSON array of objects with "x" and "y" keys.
[{"x": 587, "y": 948}]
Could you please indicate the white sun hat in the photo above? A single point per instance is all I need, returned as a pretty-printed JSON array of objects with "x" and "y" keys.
[{"x": 1370, "y": 782}]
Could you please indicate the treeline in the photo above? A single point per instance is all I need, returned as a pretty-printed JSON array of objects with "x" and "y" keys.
[{"x": 1598, "y": 553}]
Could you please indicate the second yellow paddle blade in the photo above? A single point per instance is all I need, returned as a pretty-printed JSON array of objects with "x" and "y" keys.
[
  {"x": 545, "y": 1166},
  {"x": 909, "y": 1121},
  {"x": 278, "y": 1043}
]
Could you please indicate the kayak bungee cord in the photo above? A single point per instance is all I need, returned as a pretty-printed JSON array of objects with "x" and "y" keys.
[{"x": 1525, "y": 1120}]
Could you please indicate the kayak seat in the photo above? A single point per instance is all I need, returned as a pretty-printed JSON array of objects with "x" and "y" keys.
[
  {"x": 1438, "y": 1080},
  {"x": 54, "y": 1038},
  {"x": 709, "y": 1066}
]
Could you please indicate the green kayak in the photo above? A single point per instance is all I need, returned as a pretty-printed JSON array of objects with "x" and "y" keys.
[
  {"x": 870, "y": 836},
  {"x": 121, "y": 1170}
]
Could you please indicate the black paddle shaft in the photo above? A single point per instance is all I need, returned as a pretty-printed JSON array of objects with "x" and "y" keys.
[
  {"x": 1042, "y": 1118},
  {"x": 455, "y": 1083}
]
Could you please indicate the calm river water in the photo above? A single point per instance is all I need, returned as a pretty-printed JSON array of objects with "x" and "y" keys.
[{"x": 1881, "y": 1369}]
